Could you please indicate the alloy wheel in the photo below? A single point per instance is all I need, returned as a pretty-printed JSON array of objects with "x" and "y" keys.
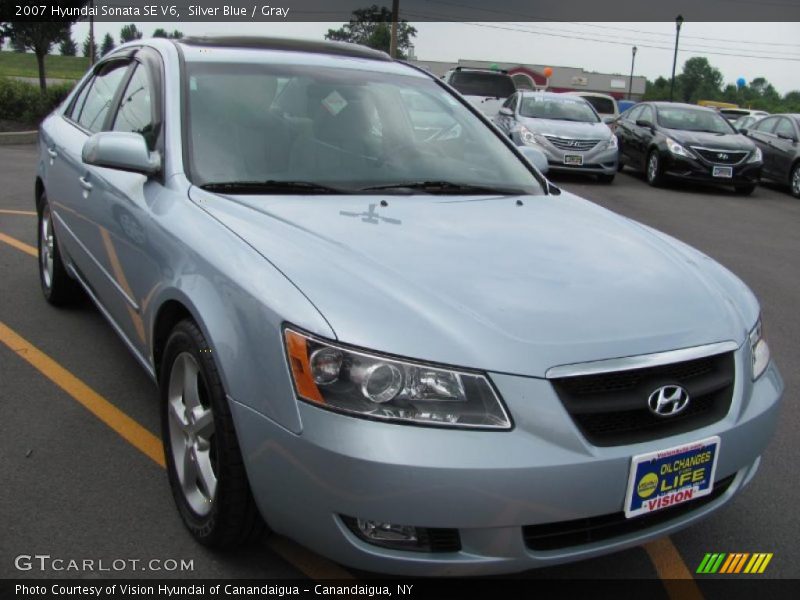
[
  {"x": 652, "y": 167},
  {"x": 796, "y": 181},
  {"x": 46, "y": 247},
  {"x": 191, "y": 430}
]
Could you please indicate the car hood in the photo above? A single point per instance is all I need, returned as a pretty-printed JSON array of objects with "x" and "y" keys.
[
  {"x": 483, "y": 282},
  {"x": 569, "y": 129},
  {"x": 725, "y": 141}
]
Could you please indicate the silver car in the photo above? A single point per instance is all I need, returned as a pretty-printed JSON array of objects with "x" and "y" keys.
[
  {"x": 566, "y": 128},
  {"x": 379, "y": 330}
]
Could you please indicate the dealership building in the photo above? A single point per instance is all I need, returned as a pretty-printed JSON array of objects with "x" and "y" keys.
[{"x": 563, "y": 79}]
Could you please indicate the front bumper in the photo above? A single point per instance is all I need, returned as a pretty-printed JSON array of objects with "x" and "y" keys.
[
  {"x": 699, "y": 170},
  {"x": 600, "y": 160},
  {"x": 488, "y": 485}
]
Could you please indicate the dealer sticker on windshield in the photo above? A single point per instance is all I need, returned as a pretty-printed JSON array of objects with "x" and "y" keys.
[{"x": 670, "y": 477}]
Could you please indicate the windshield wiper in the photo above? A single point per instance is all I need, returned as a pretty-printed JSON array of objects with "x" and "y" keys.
[
  {"x": 445, "y": 187},
  {"x": 272, "y": 186}
]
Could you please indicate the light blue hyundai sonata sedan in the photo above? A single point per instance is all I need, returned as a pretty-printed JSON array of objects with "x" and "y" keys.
[{"x": 377, "y": 328}]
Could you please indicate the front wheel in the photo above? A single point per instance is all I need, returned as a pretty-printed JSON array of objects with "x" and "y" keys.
[
  {"x": 795, "y": 181},
  {"x": 204, "y": 463},
  {"x": 653, "y": 169},
  {"x": 58, "y": 287}
]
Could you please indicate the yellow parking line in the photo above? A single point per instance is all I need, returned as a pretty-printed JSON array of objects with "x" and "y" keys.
[
  {"x": 314, "y": 566},
  {"x": 136, "y": 435},
  {"x": 8, "y": 211},
  {"x": 674, "y": 573},
  {"x": 27, "y": 249}
]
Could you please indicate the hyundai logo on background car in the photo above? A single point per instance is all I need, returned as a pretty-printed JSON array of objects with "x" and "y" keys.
[{"x": 668, "y": 400}]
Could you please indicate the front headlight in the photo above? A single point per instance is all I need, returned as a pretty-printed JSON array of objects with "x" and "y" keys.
[
  {"x": 370, "y": 385},
  {"x": 677, "y": 149},
  {"x": 756, "y": 156},
  {"x": 612, "y": 143},
  {"x": 526, "y": 135},
  {"x": 758, "y": 350}
]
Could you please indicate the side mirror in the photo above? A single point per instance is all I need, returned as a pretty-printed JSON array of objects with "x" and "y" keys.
[
  {"x": 609, "y": 120},
  {"x": 743, "y": 130},
  {"x": 121, "y": 150},
  {"x": 536, "y": 157},
  {"x": 506, "y": 112},
  {"x": 644, "y": 123},
  {"x": 789, "y": 138}
]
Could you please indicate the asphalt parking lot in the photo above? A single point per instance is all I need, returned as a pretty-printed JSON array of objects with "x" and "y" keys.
[{"x": 74, "y": 488}]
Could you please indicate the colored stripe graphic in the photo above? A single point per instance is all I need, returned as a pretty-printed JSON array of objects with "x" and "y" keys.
[{"x": 734, "y": 563}]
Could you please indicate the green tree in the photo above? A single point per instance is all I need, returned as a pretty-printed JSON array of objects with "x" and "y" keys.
[
  {"x": 163, "y": 33},
  {"x": 129, "y": 33},
  {"x": 699, "y": 81},
  {"x": 87, "y": 46},
  {"x": 68, "y": 47},
  {"x": 108, "y": 45},
  {"x": 39, "y": 37},
  {"x": 372, "y": 27}
]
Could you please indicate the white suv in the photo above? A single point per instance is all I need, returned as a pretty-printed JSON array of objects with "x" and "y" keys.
[{"x": 485, "y": 89}]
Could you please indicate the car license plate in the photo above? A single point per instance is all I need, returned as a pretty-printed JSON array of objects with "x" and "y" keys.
[
  {"x": 670, "y": 477},
  {"x": 722, "y": 172},
  {"x": 573, "y": 159}
]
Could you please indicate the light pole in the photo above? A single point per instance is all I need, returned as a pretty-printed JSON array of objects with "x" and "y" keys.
[
  {"x": 678, "y": 23},
  {"x": 630, "y": 80},
  {"x": 393, "y": 39}
]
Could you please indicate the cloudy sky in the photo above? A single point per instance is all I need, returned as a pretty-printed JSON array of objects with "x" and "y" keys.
[{"x": 748, "y": 50}]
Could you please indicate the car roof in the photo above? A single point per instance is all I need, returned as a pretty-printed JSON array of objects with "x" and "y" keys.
[
  {"x": 665, "y": 104},
  {"x": 287, "y": 44},
  {"x": 543, "y": 94},
  {"x": 598, "y": 94}
]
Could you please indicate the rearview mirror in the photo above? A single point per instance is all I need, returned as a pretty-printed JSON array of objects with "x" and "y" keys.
[
  {"x": 536, "y": 157},
  {"x": 506, "y": 112},
  {"x": 121, "y": 150}
]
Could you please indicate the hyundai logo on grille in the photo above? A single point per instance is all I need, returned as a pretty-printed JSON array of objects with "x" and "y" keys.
[
  {"x": 722, "y": 156},
  {"x": 668, "y": 400}
]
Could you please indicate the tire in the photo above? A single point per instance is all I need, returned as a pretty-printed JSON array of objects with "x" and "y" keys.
[
  {"x": 214, "y": 498},
  {"x": 794, "y": 181},
  {"x": 605, "y": 178},
  {"x": 652, "y": 169},
  {"x": 58, "y": 287},
  {"x": 745, "y": 190}
]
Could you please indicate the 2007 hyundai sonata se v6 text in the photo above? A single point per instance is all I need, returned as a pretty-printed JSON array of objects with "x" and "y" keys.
[{"x": 377, "y": 328}]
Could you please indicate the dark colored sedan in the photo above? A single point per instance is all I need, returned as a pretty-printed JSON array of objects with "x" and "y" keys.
[
  {"x": 777, "y": 137},
  {"x": 685, "y": 141}
]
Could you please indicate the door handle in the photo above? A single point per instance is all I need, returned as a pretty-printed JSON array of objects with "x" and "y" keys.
[
  {"x": 52, "y": 153},
  {"x": 85, "y": 184}
]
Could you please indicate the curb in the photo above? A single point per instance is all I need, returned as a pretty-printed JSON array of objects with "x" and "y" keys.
[{"x": 19, "y": 137}]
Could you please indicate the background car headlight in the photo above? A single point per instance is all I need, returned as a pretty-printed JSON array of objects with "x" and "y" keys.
[
  {"x": 369, "y": 385},
  {"x": 756, "y": 156},
  {"x": 526, "y": 135},
  {"x": 759, "y": 350},
  {"x": 677, "y": 149}
]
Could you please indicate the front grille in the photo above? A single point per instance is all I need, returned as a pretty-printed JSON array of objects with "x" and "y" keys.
[
  {"x": 611, "y": 409},
  {"x": 565, "y": 534},
  {"x": 572, "y": 144},
  {"x": 721, "y": 157}
]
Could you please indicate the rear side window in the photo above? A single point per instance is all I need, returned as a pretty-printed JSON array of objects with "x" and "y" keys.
[
  {"x": 93, "y": 112},
  {"x": 477, "y": 83},
  {"x": 135, "y": 112}
]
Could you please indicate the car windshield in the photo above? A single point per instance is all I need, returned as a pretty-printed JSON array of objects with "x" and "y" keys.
[
  {"x": 261, "y": 126},
  {"x": 477, "y": 83},
  {"x": 562, "y": 109},
  {"x": 693, "y": 119}
]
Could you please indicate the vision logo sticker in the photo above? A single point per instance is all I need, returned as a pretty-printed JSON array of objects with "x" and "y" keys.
[{"x": 734, "y": 563}]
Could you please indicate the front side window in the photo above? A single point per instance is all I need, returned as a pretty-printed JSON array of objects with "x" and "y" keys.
[
  {"x": 566, "y": 108},
  {"x": 135, "y": 112},
  {"x": 635, "y": 113},
  {"x": 765, "y": 125},
  {"x": 693, "y": 119},
  {"x": 95, "y": 108},
  {"x": 785, "y": 129},
  {"x": 343, "y": 128}
]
